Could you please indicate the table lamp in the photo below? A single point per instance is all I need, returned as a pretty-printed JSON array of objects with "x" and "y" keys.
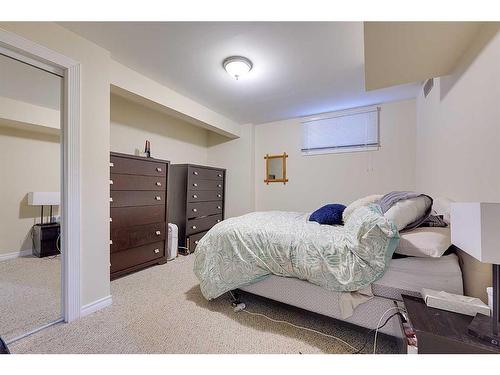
[
  {"x": 475, "y": 229},
  {"x": 44, "y": 198}
]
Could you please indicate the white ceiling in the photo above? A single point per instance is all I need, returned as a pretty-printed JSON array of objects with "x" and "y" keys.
[
  {"x": 300, "y": 68},
  {"x": 28, "y": 84}
]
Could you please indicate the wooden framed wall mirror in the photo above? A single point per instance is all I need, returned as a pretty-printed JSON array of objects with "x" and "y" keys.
[{"x": 276, "y": 168}]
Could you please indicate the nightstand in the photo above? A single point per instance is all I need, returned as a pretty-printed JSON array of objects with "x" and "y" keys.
[
  {"x": 442, "y": 332},
  {"x": 46, "y": 241}
]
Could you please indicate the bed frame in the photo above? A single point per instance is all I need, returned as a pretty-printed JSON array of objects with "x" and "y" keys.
[{"x": 308, "y": 296}]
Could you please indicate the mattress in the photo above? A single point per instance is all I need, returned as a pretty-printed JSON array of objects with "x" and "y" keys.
[{"x": 410, "y": 275}]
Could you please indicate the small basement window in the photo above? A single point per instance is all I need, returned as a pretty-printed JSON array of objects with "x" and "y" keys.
[{"x": 350, "y": 130}]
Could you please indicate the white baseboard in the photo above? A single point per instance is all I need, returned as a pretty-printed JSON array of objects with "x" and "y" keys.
[
  {"x": 96, "y": 306},
  {"x": 15, "y": 254}
]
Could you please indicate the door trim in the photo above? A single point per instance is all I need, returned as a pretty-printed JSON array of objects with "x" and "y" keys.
[{"x": 37, "y": 55}]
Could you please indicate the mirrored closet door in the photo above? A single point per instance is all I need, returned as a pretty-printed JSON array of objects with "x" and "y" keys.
[{"x": 30, "y": 183}]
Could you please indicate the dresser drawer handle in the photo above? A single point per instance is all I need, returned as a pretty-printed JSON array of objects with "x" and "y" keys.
[
  {"x": 158, "y": 169},
  {"x": 219, "y": 175},
  {"x": 195, "y": 185},
  {"x": 110, "y": 199},
  {"x": 111, "y": 165},
  {"x": 219, "y": 196},
  {"x": 195, "y": 196},
  {"x": 195, "y": 173},
  {"x": 158, "y": 198},
  {"x": 195, "y": 210},
  {"x": 110, "y": 219},
  {"x": 158, "y": 183},
  {"x": 218, "y": 220},
  {"x": 157, "y": 232},
  {"x": 193, "y": 227},
  {"x": 196, "y": 242},
  {"x": 219, "y": 185},
  {"x": 111, "y": 182},
  {"x": 157, "y": 251},
  {"x": 219, "y": 207}
]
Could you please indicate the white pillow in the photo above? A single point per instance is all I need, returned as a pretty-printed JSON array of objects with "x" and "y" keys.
[
  {"x": 407, "y": 211},
  {"x": 442, "y": 206},
  {"x": 425, "y": 242},
  {"x": 365, "y": 201}
]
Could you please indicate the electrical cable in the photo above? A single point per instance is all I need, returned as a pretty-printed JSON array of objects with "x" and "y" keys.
[
  {"x": 378, "y": 326},
  {"x": 300, "y": 327},
  {"x": 235, "y": 302},
  {"x": 370, "y": 331}
]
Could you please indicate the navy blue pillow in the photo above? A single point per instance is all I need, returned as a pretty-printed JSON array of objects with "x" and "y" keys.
[{"x": 331, "y": 214}]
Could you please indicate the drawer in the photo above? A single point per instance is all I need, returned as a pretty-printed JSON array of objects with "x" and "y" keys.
[
  {"x": 203, "y": 209},
  {"x": 138, "y": 235},
  {"x": 133, "y": 182},
  {"x": 204, "y": 195},
  {"x": 193, "y": 241},
  {"x": 136, "y": 256},
  {"x": 137, "y": 198},
  {"x": 129, "y": 216},
  {"x": 205, "y": 173},
  {"x": 202, "y": 224},
  {"x": 139, "y": 167},
  {"x": 197, "y": 184}
]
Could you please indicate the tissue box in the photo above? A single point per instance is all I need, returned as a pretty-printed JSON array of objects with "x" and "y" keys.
[{"x": 454, "y": 302}]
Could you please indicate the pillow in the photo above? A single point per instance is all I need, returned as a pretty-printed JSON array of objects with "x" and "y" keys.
[
  {"x": 441, "y": 206},
  {"x": 407, "y": 211},
  {"x": 331, "y": 214},
  {"x": 424, "y": 242},
  {"x": 359, "y": 203}
]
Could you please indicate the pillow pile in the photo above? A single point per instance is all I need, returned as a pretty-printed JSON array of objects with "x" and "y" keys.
[
  {"x": 331, "y": 214},
  {"x": 407, "y": 211}
]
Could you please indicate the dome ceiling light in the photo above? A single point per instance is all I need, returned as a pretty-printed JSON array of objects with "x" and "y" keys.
[{"x": 237, "y": 66}]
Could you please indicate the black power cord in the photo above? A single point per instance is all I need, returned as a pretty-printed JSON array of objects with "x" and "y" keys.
[{"x": 373, "y": 330}]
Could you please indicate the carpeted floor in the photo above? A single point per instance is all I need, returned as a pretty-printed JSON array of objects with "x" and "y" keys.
[
  {"x": 161, "y": 310},
  {"x": 30, "y": 294}
]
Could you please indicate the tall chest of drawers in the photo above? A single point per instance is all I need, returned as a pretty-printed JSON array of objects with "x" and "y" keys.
[
  {"x": 196, "y": 201},
  {"x": 138, "y": 212}
]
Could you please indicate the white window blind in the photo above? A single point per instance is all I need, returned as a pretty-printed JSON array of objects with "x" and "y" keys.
[{"x": 344, "y": 131}]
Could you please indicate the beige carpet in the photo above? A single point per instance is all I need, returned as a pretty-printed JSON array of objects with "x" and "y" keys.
[
  {"x": 161, "y": 310},
  {"x": 30, "y": 294}
]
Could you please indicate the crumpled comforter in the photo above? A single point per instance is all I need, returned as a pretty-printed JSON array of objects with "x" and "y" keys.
[{"x": 243, "y": 250}]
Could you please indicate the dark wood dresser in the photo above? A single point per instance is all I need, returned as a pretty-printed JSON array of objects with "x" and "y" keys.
[
  {"x": 138, "y": 205},
  {"x": 196, "y": 201}
]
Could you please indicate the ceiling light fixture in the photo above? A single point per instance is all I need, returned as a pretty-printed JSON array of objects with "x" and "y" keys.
[{"x": 237, "y": 66}]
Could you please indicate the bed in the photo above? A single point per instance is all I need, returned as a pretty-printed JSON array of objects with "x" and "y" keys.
[
  {"x": 404, "y": 276},
  {"x": 284, "y": 257}
]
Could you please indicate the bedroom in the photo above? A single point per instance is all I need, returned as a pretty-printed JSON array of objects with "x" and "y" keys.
[{"x": 324, "y": 115}]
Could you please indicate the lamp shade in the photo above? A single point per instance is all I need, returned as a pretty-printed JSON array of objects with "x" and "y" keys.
[
  {"x": 44, "y": 198},
  {"x": 475, "y": 229}
]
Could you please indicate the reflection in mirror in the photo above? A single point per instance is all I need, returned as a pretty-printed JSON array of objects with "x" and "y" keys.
[
  {"x": 276, "y": 168},
  {"x": 30, "y": 266}
]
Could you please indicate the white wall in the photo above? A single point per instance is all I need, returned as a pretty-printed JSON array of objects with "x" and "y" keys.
[
  {"x": 94, "y": 148},
  {"x": 458, "y": 137},
  {"x": 171, "y": 138},
  {"x": 336, "y": 178},
  {"x": 29, "y": 161},
  {"x": 237, "y": 156}
]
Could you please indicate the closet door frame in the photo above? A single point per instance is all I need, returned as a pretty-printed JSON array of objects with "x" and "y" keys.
[{"x": 24, "y": 50}]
